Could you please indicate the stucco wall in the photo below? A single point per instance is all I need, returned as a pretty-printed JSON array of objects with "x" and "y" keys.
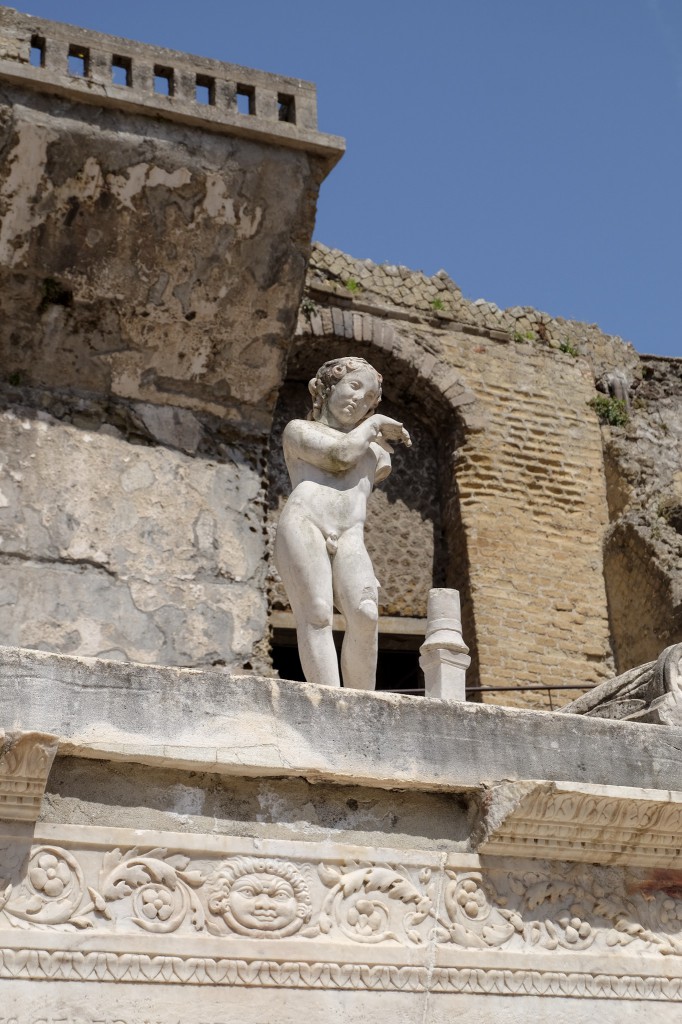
[
  {"x": 150, "y": 273},
  {"x": 127, "y": 551}
]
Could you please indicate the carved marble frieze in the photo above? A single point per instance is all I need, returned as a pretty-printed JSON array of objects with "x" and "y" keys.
[
  {"x": 570, "y": 821},
  {"x": 113, "y": 904},
  {"x": 25, "y": 762}
]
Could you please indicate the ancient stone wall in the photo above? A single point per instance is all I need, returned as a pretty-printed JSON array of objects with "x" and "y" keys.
[
  {"x": 151, "y": 269},
  {"x": 152, "y": 256},
  {"x": 522, "y": 474},
  {"x": 643, "y": 552}
]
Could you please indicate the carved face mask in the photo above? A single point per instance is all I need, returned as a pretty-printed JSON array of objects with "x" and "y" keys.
[{"x": 263, "y": 902}]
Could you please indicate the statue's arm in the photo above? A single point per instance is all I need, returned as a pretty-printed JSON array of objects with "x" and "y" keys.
[
  {"x": 382, "y": 451},
  {"x": 330, "y": 450}
]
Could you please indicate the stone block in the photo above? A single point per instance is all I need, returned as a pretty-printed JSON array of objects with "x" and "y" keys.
[
  {"x": 533, "y": 892},
  {"x": 247, "y": 725}
]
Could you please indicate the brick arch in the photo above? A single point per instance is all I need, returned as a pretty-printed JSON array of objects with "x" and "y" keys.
[
  {"x": 412, "y": 370},
  {"x": 419, "y": 500}
]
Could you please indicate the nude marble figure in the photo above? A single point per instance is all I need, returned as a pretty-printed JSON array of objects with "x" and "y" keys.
[{"x": 334, "y": 459}]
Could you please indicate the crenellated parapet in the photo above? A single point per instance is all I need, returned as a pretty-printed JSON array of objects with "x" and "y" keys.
[{"x": 109, "y": 71}]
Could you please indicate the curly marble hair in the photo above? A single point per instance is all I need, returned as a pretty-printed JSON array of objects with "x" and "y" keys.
[
  {"x": 219, "y": 885},
  {"x": 329, "y": 374}
]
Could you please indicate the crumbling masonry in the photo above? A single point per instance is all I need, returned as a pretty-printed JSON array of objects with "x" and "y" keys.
[
  {"x": 153, "y": 256},
  {"x": 184, "y": 836}
]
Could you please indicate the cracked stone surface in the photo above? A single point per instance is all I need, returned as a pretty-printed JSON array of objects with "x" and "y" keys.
[
  {"x": 643, "y": 550},
  {"x": 134, "y": 256},
  {"x": 143, "y": 553},
  {"x": 150, "y": 276}
]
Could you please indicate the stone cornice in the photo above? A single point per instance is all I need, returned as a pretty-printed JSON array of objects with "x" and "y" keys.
[
  {"x": 25, "y": 762},
  {"x": 573, "y": 822},
  {"x": 259, "y": 727}
]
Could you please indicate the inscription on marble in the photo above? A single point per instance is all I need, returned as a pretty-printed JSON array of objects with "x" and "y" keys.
[{"x": 81, "y": 1019}]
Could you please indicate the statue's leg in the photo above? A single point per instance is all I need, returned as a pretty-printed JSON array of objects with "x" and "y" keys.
[
  {"x": 356, "y": 592},
  {"x": 303, "y": 563}
]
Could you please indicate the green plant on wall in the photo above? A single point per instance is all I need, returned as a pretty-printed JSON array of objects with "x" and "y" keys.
[
  {"x": 438, "y": 305},
  {"x": 353, "y": 286},
  {"x": 523, "y": 336},
  {"x": 610, "y": 410},
  {"x": 569, "y": 349}
]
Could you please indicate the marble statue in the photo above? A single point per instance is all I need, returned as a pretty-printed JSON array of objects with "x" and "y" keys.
[{"x": 334, "y": 459}]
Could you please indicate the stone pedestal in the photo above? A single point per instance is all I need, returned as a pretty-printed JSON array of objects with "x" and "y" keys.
[
  {"x": 220, "y": 849},
  {"x": 444, "y": 657}
]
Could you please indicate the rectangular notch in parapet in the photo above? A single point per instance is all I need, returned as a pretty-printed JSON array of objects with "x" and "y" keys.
[
  {"x": 79, "y": 61},
  {"x": 37, "y": 53},
  {"x": 164, "y": 80},
  {"x": 204, "y": 90},
  {"x": 121, "y": 71},
  {"x": 286, "y": 108},
  {"x": 246, "y": 99}
]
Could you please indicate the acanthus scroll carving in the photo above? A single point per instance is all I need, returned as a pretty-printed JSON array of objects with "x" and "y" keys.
[
  {"x": 577, "y": 908},
  {"x": 581, "y": 909},
  {"x": 374, "y": 903},
  {"x": 155, "y": 888}
]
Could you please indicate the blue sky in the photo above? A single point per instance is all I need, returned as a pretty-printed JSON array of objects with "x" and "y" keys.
[{"x": 531, "y": 148}]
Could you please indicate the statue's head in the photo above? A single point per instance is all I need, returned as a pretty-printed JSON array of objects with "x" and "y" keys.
[
  {"x": 265, "y": 896},
  {"x": 348, "y": 388}
]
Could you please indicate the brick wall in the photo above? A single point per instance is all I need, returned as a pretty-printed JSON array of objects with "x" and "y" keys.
[
  {"x": 533, "y": 511},
  {"x": 520, "y": 470}
]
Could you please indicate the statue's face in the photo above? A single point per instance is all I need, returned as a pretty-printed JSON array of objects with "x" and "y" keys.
[
  {"x": 263, "y": 901},
  {"x": 356, "y": 394}
]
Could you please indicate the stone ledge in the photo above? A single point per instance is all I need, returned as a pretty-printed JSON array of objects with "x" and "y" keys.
[
  {"x": 254, "y": 726},
  {"x": 328, "y": 147},
  {"x": 593, "y": 824}
]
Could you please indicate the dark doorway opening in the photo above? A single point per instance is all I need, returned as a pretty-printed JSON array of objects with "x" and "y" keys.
[{"x": 398, "y": 668}]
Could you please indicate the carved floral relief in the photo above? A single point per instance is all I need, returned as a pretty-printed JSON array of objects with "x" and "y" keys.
[
  {"x": 532, "y": 907},
  {"x": 25, "y": 761}
]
